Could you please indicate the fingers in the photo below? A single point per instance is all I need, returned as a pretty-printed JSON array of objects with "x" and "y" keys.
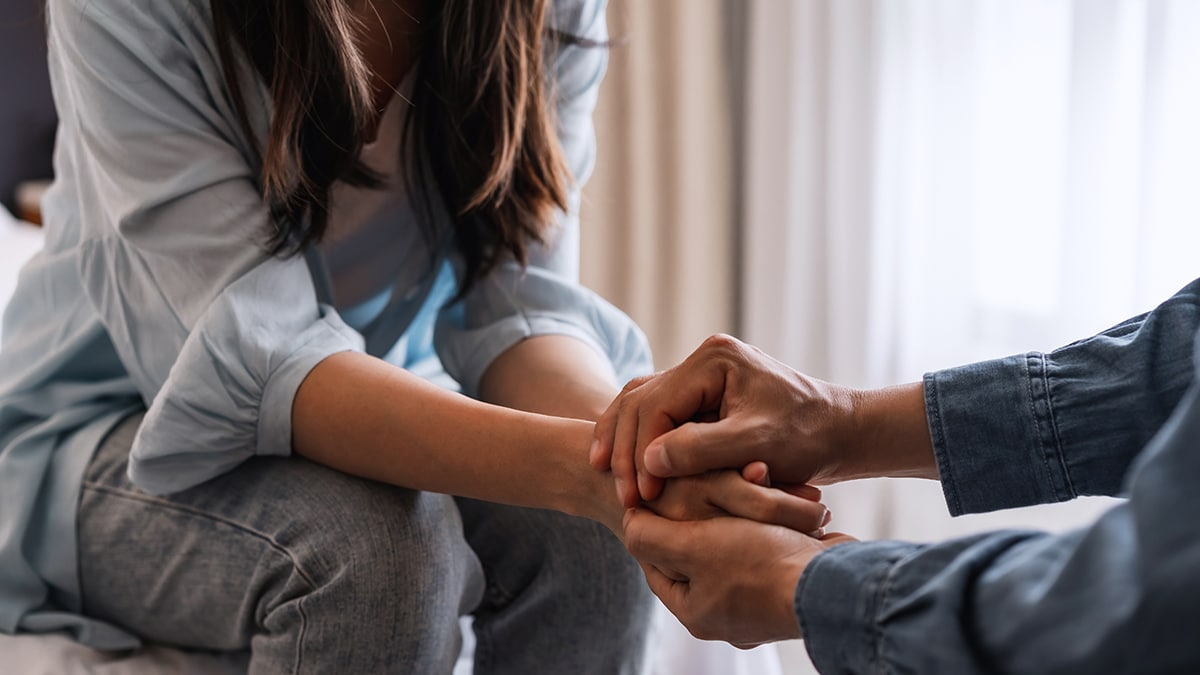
[
  {"x": 608, "y": 436},
  {"x": 760, "y": 474},
  {"x": 744, "y": 499},
  {"x": 600, "y": 454},
  {"x": 649, "y": 406},
  {"x": 699, "y": 447},
  {"x": 672, "y": 592},
  {"x": 624, "y": 473},
  {"x": 666, "y": 573},
  {"x": 811, "y": 492},
  {"x": 656, "y": 540},
  {"x": 649, "y": 428},
  {"x": 757, "y": 473},
  {"x": 630, "y": 416}
]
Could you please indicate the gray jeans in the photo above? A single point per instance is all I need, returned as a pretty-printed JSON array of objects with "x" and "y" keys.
[{"x": 315, "y": 571}]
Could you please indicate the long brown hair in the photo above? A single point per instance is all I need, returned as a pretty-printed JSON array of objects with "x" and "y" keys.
[{"x": 482, "y": 119}]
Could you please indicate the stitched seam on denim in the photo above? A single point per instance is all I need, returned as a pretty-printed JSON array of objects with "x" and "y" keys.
[
  {"x": 800, "y": 601},
  {"x": 149, "y": 499},
  {"x": 1039, "y": 433},
  {"x": 483, "y": 646},
  {"x": 301, "y": 637},
  {"x": 939, "y": 448},
  {"x": 1058, "y": 445},
  {"x": 884, "y": 591}
]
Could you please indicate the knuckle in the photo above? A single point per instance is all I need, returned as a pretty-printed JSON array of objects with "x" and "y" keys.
[
  {"x": 635, "y": 383},
  {"x": 768, "y": 507},
  {"x": 633, "y": 539},
  {"x": 702, "y": 630},
  {"x": 760, "y": 433},
  {"x": 722, "y": 343}
]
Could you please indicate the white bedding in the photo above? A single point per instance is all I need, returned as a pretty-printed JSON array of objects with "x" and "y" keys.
[
  {"x": 17, "y": 243},
  {"x": 59, "y": 655},
  {"x": 674, "y": 652}
]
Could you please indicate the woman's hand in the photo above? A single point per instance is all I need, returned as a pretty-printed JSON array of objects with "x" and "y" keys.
[{"x": 745, "y": 495}]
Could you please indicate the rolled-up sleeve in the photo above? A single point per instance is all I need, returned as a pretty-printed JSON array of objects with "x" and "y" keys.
[
  {"x": 214, "y": 333},
  {"x": 513, "y": 303},
  {"x": 1047, "y": 427}
]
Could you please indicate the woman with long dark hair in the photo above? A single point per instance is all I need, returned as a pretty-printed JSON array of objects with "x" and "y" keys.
[{"x": 273, "y": 224}]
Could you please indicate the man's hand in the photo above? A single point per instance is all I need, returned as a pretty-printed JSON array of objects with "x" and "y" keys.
[
  {"x": 725, "y": 578},
  {"x": 729, "y": 404},
  {"x": 757, "y": 407}
]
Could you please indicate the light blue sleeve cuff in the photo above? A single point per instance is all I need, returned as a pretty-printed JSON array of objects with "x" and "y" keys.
[
  {"x": 229, "y": 396},
  {"x": 327, "y": 337}
]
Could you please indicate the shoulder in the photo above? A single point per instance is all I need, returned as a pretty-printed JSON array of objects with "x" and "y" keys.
[
  {"x": 584, "y": 18},
  {"x": 130, "y": 24}
]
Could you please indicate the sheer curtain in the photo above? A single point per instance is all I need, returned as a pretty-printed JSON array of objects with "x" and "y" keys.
[
  {"x": 933, "y": 182},
  {"x": 658, "y": 214}
]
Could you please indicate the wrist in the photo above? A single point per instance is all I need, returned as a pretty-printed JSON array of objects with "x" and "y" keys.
[
  {"x": 890, "y": 435},
  {"x": 578, "y": 489}
]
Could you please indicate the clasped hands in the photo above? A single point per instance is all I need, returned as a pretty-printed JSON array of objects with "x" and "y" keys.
[{"x": 715, "y": 460}]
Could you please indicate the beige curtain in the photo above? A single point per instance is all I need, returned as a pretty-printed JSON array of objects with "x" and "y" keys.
[{"x": 658, "y": 238}]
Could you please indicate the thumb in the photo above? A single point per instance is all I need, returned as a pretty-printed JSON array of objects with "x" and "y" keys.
[
  {"x": 758, "y": 473},
  {"x": 698, "y": 447}
]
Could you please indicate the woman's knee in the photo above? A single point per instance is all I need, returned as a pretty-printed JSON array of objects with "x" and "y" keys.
[
  {"x": 385, "y": 572},
  {"x": 392, "y": 551},
  {"x": 562, "y": 559}
]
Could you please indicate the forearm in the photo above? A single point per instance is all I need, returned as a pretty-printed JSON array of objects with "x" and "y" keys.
[
  {"x": 364, "y": 417},
  {"x": 890, "y": 436}
]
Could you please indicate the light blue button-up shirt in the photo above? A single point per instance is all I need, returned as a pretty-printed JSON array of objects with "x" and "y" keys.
[{"x": 153, "y": 289}]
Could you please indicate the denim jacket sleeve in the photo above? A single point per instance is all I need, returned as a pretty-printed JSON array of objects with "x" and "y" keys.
[
  {"x": 1039, "y": 428},
  {"x": 1117, "y": 597},
  {"x": 514, "y": 303}
]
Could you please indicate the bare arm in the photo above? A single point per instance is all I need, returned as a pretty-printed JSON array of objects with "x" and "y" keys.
[
  {"x": 365, "y": 417},
  {"x": 552, "y": 375},
  {"x": 368, "y": 418}
]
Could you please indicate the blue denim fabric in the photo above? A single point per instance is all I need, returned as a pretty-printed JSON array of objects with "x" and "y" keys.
[
  {"x": 314, "y": 571},
  {"x": 1118, "y": 413}
]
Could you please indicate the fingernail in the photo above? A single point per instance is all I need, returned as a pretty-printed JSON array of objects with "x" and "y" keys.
[
  {"x": 643, "y": 482},
  {"x": 656, "y": 459},
  {"x": 620, "y": 489},
  {"x": 594, "y": 451}
]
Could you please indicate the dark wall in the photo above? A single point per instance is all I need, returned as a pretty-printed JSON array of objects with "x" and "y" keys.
[{"x": 27, "y": 119}]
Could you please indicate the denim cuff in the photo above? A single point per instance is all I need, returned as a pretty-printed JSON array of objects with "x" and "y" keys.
[
  {"x": 994, "y": 435},
  {"x": 839, "y": 599}
]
